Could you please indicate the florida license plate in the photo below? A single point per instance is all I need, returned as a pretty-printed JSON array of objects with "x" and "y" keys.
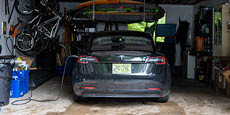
[{"x": 121, "y": 68}]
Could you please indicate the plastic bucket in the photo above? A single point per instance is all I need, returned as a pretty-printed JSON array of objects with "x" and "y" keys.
[{"x": 5, "y": 81}]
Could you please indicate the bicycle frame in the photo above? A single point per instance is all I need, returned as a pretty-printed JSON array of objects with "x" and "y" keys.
[
  {"x": 41, "y": 27},
  {"x": 42, "y": 30},
  {"x": 52, "y": 33}
]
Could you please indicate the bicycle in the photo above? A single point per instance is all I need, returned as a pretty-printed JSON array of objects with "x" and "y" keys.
[
  {"x": 35, "y": 41},
  {"x": 28, "y": 7}
]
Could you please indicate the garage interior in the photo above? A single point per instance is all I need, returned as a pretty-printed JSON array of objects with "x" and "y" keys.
[{"x": 192, "y": 34}]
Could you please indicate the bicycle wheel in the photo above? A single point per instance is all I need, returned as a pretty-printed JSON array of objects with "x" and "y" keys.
[
  {"x": 24, "y": 42},
  {"x": 24, "y": 7},
  {"x": 37, "y": 49}
]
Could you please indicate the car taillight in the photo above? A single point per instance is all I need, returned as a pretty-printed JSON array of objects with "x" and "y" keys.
[
  {"x": 84, "y": 59},
  {"x": 159, "y": 60},
  {"x": 154, "y": 88},
  {"x": 91, "y": 88}
]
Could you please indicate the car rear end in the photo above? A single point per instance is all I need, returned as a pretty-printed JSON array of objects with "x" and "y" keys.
[{"x": 121, "y": 66}]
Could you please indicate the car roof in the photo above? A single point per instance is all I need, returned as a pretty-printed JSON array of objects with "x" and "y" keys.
[{"x": 121, "y": 32}]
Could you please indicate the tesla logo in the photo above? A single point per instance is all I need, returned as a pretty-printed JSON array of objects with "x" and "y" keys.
[{"x": 122, "y": 57}]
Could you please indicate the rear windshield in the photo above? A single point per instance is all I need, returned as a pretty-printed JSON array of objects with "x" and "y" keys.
[{"x": 122, "y": 43}]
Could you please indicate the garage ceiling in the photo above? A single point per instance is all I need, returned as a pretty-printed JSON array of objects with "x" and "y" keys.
[{"x": 186, "y": 2}]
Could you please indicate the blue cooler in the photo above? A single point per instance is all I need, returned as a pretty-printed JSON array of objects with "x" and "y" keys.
[{"x": 19, "y": 84}]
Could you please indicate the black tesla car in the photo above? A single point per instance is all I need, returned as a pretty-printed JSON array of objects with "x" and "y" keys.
[{"x": 121, "y": 64}]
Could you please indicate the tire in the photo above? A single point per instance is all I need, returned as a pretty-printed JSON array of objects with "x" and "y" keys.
[
  {"x": 163, "y": 99},
  {"x": 37, "y": 49},
  {"x": 79, "y": 98},
  {"x": 24, "y": 42},
  {"x": 22, "y": 6},
  {"x": 166, "y": 98}
]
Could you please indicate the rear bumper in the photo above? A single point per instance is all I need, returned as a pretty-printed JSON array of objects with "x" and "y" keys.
[{"x": 122, "y": 88}]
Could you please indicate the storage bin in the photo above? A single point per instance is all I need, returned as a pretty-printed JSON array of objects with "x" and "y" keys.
[
  {"x": 5, "y": 81},
  {"x": 19, "y": 84}
]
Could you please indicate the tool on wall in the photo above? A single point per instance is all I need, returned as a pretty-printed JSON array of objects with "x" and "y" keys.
[
  {"x": 7, "y": 9},
  {"x": 11, "y": 12},
  {"x": 14, "y": 29}
]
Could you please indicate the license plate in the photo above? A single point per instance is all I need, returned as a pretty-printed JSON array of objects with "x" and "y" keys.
[{"x": 121, "y": 68}]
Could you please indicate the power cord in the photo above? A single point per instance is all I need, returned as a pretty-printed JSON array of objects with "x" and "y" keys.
[
  {"x": 29, "y": 99},
  {"x": 7, "y": 45}
]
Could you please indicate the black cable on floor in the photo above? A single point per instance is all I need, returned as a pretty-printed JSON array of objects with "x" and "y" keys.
[{"x": 29, "y": 99}]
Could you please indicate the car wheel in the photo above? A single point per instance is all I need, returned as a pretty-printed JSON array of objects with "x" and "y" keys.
[
  {"x": 163, "y": 99},
  {"x": 79, "y": 98}
]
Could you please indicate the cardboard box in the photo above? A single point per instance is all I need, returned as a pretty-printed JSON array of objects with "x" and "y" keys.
[{"x": 28, "y": 60}]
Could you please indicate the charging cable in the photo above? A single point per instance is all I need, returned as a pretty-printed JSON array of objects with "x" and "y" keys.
[
  {"x": 7, "y": 45},
  {"x": 29, "y": 99}
]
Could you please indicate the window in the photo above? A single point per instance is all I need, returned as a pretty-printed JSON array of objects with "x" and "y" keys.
[{"x": 122, "y": 43}]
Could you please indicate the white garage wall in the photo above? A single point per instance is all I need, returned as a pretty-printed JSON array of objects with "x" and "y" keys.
[
  {"x": 4, "y": 18},
  {"x": 185, "y": 12}
]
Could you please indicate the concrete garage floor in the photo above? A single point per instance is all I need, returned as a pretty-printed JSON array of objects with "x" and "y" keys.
[{"x": 185, "y": 99}]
